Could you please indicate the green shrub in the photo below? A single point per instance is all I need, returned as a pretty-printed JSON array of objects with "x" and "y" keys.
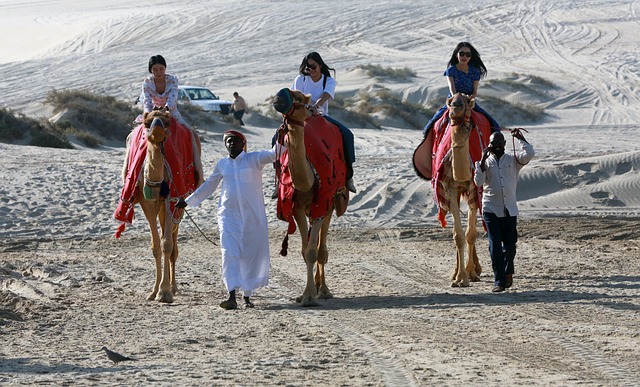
[
  {"x": 377, "y": 71},
  {"x": 50, "y": 140},
  {"x": 88, "y": 139},
  {"x": 109, "y": 117},
  {"x": 18, "y": 126},
  {"x": 13, "y": 127}
]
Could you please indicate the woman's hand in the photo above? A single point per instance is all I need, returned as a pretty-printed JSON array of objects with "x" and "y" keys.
[{"x": 313, "y": 109}]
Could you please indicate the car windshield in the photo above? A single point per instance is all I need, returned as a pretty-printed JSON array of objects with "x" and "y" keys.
[{"x": 196, "y": 94}]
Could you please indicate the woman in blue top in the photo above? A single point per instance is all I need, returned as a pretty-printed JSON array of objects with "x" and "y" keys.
[{"x": 464, "y": 71}]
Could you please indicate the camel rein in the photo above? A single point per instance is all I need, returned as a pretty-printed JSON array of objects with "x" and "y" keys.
[{"x": 195, "y": 224}]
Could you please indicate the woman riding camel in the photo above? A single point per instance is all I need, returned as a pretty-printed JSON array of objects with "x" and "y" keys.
[
  {"x": 315, "y": 80},
  {"x": 464, "y": 71},
  {"x": 160, "y": 90}
]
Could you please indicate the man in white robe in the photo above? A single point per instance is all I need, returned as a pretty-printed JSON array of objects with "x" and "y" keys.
[{"x": 242, "y": 219}]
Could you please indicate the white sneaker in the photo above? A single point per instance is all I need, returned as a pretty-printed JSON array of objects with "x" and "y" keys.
[{"x": 351, "y": 186}]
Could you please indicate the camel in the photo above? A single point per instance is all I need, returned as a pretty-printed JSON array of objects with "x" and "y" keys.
[
  {"x": 457, "y": 142},
  {"x": 168, "y": 145},
  {"x": 306, "y": 182}
]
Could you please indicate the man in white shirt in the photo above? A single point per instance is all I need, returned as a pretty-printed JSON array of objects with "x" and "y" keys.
[
  {"x": 497, "y": 173},
  {"x": 242, "y": 221}
]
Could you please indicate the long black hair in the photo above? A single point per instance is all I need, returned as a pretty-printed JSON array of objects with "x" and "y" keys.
[
  {"x": 157, "y": 59},
  {"x": 475, "y": 58},
  {"x": 324, "y": 69}
]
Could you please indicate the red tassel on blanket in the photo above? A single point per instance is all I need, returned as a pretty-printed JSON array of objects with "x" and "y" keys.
[
  {"x": 120, "y": 230},
  {"x": 442, "y": 218},
  {"x": 285, "y": 246}
]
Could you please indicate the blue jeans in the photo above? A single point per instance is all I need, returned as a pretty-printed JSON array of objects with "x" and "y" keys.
[
  {"x": 503, "y": 235},
  {"x": 492, "y": 123},
  {"x": 347, "y": 140}
]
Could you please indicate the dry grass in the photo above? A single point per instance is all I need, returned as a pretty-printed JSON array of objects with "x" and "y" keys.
[{"x": 16, "y": 127}]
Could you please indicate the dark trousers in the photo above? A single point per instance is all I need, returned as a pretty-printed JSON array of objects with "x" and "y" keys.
[
  {"x": 493, "y": 124},
  {"x": 238, "y": 116},
  {"x": 347, "y": 143},
  {"x": 503, "y": 235}
]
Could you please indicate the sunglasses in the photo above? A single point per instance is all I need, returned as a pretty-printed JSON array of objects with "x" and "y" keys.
[
  {"x": 464, "y": 53},
  {"x": 312, "y": 67}
]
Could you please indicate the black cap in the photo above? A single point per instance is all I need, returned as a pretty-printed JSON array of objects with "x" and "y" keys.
[{"x": 156, "y": 59}]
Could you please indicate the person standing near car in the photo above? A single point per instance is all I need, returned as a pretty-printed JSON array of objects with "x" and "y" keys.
[
  {"x": 497, "y": 174},
  {"x": 238, "y": 107}
]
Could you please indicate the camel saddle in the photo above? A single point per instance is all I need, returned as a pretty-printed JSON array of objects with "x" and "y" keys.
[
  {"x": 324, "y": 149},
  {"x": 178, "y": 151}
]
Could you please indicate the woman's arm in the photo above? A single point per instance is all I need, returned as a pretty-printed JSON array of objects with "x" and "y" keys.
[
  {"x": 172, "y": 95},
  {"x": 452, "y": 85},
  {"x": 475, "y": 89},
  {"x": 147, "y": 90}
]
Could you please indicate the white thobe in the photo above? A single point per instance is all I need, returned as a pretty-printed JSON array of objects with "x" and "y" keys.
[{"x": 242, "y": 221}]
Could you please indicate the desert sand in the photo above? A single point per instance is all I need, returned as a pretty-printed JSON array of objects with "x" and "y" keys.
[{"x": 67, "y": 287}]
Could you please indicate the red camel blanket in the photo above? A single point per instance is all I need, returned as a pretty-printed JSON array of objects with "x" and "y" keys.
[
  {"x": 478, "y": 140},
  {"x": 178, "y": 149},
  {"x": 323, "y": 145}
]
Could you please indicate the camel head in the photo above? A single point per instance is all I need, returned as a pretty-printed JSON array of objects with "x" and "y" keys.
[
  {"x": 292, "y": 105},
  {"x": 157, "y": 124},
  {"x": 460, "y": 106}
]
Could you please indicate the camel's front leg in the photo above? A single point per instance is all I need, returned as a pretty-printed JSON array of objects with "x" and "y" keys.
[
  {"x": 473, "y": 263},
  {"x": 460, "y": 277},
  {"x": 151, "y": 213},
  {"x": 174, "y": 259},
  {"x": 165, "y": 293},
  {"x": 309, "y": 297},
  {"x": 303, "y": 229},
  {"x": 323, "y": 257}
]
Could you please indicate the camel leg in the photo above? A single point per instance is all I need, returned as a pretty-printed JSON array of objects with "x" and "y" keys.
[
  {"x": 174, "y": 259},
  {"x": 164, "y": 292},
  {"x": 323, "y": 257},
  {"x": 461, "y": 278},
  {"x": 473, "y": 264},
  {"x": 303, "y": 228},
  {"x": 151, "y": 213},
  {"x": 309, "y": 297}
]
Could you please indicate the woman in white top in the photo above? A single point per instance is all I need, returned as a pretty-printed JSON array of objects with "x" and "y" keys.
[
  {"x": 315, "y": 80},
  {"x": 161, "y": 89}
]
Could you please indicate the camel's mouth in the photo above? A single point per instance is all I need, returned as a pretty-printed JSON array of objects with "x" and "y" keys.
[{"x": 283, "y": 101}]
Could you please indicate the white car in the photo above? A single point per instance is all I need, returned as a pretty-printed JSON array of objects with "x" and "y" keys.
[{"x": 204, "y": 98}]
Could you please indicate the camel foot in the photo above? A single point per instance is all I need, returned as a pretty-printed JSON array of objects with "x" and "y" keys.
[
  {"x": 307, "y": 301},
  {"x": 324, "y": 293},
  {"x": 474, "y": 278},
  {"x": 152, "y": 295},
  {"x": 460, "y": 284},
  {"x": 165, "y": 297}
]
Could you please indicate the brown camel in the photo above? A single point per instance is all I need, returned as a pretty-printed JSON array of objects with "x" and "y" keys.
[
  {"x": 154, "y": 190},
  {"x": 306, "y": 184},
  {"x": 454, "y": 182}
]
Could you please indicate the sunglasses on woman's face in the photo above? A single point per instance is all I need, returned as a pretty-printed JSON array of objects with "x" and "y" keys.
[
  {"x": 464, "y": 53},
  {"x": 312, "y": 66}
]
